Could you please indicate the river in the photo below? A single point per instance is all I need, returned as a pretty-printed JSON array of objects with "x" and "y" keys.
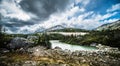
[{"x": 56, "y": 43}]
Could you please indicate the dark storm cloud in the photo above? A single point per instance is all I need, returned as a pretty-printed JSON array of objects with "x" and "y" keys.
[
  {"x": 44, "y": 8},
  {"x": 15, "y": 22},
  {"x": 41, "y": 8}
]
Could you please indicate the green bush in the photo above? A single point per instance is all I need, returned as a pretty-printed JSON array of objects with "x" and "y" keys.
[
  {"x": 44, "y": 41},
  {"x": 105, "y": 37}
]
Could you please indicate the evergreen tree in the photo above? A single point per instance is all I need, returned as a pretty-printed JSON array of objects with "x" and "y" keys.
[{"x": 44, "y": 41}]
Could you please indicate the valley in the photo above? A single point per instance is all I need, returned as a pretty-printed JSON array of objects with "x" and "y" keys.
[
  {"x": 61, "y": 47},
  {"x": 59, "y": 32}
]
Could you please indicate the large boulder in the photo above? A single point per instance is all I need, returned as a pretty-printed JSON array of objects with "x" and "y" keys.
[{"x": 19, "y": 42}]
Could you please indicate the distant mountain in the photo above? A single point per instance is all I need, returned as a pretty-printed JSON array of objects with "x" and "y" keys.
[
  {"x": 110, "y": 26},
  {"x": 57, "y": 27},
  {"x": 60, "y": 28}
]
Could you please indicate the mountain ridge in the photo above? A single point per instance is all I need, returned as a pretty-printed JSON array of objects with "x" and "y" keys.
[{"x": 109, "y": 26}]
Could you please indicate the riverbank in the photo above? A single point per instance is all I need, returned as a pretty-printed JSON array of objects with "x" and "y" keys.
[
  {"x": 40, "y": 56},
  {"x": 62, "y": 45}
]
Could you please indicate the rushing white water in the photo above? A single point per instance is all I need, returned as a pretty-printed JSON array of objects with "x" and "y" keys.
[{"x": 56, "y": 43}]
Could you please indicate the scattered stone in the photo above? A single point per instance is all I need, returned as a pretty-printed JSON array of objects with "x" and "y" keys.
[
  {"x": 104, "y": 56},
  {"x": 3, "y": 50}
]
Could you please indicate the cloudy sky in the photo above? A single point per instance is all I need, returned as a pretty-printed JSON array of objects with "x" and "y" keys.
[{"x": 28, "y": 16}]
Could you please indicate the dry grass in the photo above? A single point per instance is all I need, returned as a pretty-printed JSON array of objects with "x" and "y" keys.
[{"x": 22, "y": 57}]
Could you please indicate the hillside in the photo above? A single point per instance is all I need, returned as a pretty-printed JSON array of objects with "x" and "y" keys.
[
  {"x": 69, "y": 30},
  {"x": 57, "y": 27},
  {"x": 110, "y": 26},
  {"x": 60, "y": 28}
]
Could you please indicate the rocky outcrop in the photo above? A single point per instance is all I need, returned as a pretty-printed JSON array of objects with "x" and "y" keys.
[
  {"x": 40, "y": 56},
  {"x": 92, "y": 58},
  {"x": 19, "y": 42}
]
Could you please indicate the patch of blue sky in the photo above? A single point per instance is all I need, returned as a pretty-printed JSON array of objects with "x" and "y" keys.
[{"x": 100, "y": 5}]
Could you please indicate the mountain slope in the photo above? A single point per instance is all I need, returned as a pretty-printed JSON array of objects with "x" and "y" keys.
[
  {"x": 60, "y": 28},
  {"x": 57, "y": 27},
  {"x": 110, "y": 26}
]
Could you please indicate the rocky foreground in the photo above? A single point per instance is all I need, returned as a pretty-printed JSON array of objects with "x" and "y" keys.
[{"x": 40, "y": 56}]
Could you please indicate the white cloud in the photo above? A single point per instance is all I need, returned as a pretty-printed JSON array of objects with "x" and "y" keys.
[
  {"x": 10, "y": 9},
  {"x": 74, "y": 10},
  {"x": 18, "y": 1},
  {"x": 114, "y": 8},
  {"x": 83, "y": 2},
  {"x": 77, "y": 17},
  {"x": 80, "y": 21},
  {"x": 110, "y": 20},
  {"x": 102, "y": 17}
]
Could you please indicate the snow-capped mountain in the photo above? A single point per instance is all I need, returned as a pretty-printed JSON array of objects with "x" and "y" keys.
[
  {"x": 110, "y": 26},
  {"x": 55, "y": 28}
]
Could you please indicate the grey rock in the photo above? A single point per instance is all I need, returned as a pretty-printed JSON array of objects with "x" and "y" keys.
[
  {"x": 19, "y": 42},
  {"x": 3, "y": 50}
]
